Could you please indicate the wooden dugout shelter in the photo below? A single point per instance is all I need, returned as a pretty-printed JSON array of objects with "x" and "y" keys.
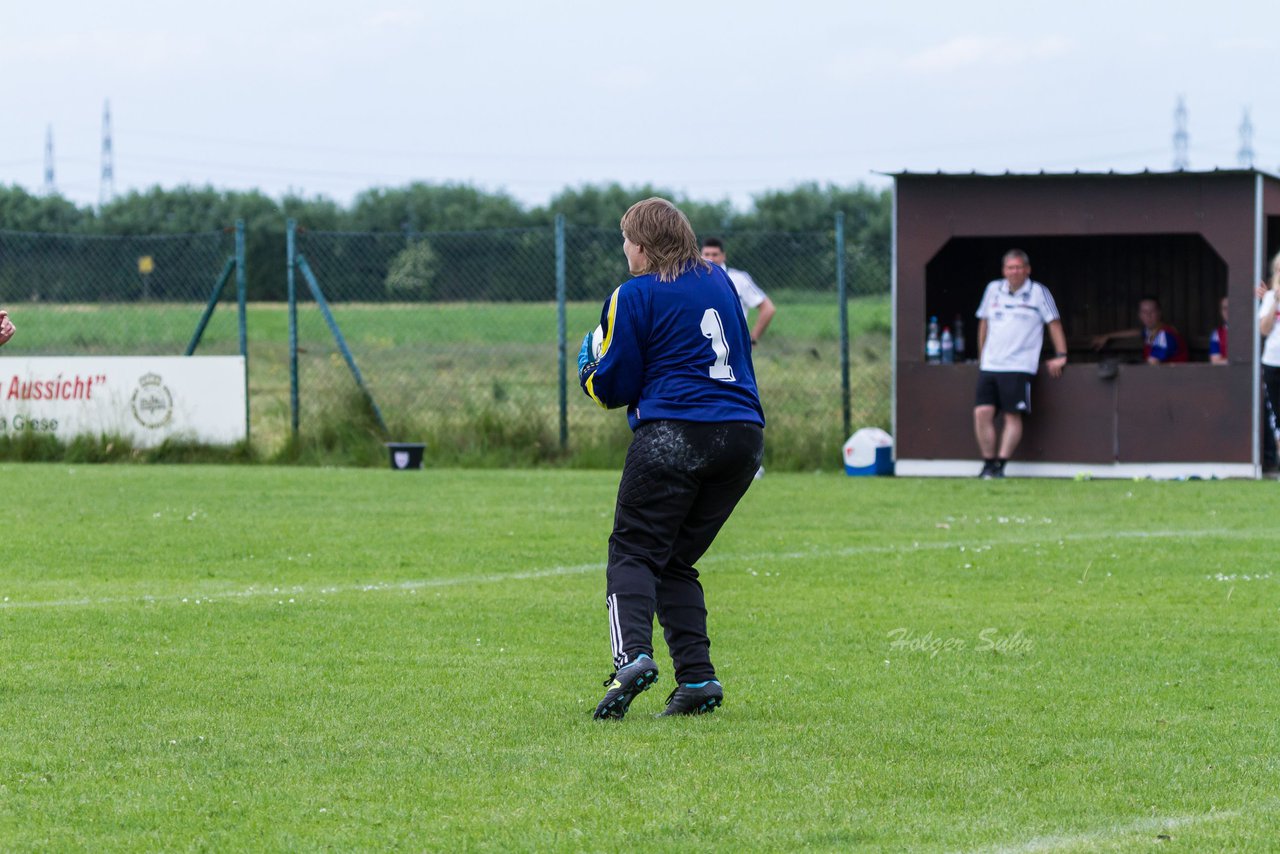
[{"x": 1099, "y": 242}]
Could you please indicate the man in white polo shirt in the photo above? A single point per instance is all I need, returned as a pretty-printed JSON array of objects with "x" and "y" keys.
[
  {"x": 749, "y": 293},
  {"x": 1011, "y": 321}
]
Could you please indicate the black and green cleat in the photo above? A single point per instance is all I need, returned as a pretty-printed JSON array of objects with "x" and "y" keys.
[
  {"x": 695, "y": 699},
  {"x": 625, "y": 685}
]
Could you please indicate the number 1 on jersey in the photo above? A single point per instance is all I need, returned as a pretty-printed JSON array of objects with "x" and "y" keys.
[{"x": 712, "y": 328}]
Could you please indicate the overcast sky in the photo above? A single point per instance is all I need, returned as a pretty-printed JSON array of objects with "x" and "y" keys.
[{"x": 713, "y": 99}]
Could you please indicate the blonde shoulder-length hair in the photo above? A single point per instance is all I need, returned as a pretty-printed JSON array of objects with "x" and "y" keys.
[{"x": 666, "y": 236}]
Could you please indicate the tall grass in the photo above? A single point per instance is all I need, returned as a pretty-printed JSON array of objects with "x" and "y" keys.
[
  {"x": 43, "y": 447},
  {"x": 477, "y": 382}
]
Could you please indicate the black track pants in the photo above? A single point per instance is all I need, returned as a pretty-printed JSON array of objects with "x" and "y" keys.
[{"x": 680, "y": 482}]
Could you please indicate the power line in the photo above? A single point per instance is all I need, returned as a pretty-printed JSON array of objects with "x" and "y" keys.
[
  {"x": 1102, "y": 158},
  {"x": 577, "y": 156}
]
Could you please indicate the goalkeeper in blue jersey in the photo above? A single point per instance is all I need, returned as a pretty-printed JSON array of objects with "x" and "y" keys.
[{"x": 676, "y": 353}]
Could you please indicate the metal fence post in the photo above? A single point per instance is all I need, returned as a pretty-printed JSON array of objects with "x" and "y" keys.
[
  {"x": 242, "y": 297},
  {"x": 321, "y": 303},
  {"x": 843, "y": 296},
  {"x": 291, "y": 254},
  {"x": 242, "y": 287},
  {"x": 561, "y": 332},
  {"x": 219, "y": 284}
]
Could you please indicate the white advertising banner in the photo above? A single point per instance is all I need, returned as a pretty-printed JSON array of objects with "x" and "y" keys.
[{"x": 146, "y": 399}]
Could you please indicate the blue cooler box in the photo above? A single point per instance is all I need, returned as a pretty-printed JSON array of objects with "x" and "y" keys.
[{"x": 868, "y": 452}]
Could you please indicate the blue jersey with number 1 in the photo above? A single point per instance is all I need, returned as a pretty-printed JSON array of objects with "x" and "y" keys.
[{"x": 676, "y": 350}]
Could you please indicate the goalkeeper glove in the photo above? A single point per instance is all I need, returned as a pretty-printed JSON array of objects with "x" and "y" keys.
[{"x": 586, "y": 360}]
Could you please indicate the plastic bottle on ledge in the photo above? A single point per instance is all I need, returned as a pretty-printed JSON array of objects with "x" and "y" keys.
[
  {"x": 948, "y": 347},
  {"x": 932, "y": 344},
  {"x": 958, "y": 338}
]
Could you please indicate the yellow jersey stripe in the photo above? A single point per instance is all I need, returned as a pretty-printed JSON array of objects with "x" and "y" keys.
[
  {"x": 592, "y": 392},
  {"x": 608, "y": 323},
  {"x": 604, "y": 345}
]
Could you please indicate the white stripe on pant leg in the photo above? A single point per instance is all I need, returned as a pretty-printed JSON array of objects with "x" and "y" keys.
[
  {"x": 613, "y": 633},
  {"x": 615, "y": 630}
]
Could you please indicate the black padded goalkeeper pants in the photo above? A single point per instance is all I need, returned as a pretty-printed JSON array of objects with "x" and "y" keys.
[{"x": 680, "y": 482}]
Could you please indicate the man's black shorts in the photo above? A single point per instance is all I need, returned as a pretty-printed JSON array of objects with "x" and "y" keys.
[{"x": 1006, "y": 391}]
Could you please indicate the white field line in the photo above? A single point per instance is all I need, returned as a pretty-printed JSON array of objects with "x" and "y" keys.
[
  {"x": 277, "y": 591},
  {"x": 1114, "y": 833}
]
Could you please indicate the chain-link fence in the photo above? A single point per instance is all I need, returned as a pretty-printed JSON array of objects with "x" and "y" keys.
[
  {"x": 456, "y": 339},
  {"x": 53, "y": 269},
  {"x": 464, "y": 340},
  {"x": 78, "y": 295},
  {"x": 73, "y": 295},
  {"x": 453, "y": 335}
]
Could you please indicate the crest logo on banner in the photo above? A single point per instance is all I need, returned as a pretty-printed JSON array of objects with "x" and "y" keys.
[{"x": 152, "y": 403}]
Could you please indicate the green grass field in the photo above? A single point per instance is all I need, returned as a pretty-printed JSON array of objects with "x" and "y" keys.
[
  {"x": 478, "y": 382},
  {"x": 253, "y": 658}
]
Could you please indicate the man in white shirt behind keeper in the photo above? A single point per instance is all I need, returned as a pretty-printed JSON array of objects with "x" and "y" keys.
[
  {"x": 749, "y": 293},
  {"x": 1011, "y": 320}
]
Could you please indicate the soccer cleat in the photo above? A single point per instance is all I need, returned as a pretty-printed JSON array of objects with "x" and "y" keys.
[
  {"x": 696, "y": 699},
  {"x": 625, "y": 685},
  {"x": 988, "y": 471}
]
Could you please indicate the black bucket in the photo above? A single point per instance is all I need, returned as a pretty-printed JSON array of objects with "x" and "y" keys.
[{"x": 406, "y": 456}]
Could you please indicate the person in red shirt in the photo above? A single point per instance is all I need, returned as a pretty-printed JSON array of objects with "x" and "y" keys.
[{"x": 1161, "y": 343}]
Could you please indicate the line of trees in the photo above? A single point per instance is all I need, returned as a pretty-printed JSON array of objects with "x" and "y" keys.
[{"x": 430, "y": 208}]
